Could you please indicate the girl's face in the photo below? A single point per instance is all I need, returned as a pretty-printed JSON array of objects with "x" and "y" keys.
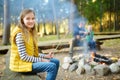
[
  {"x": 89, "y": 28},
  {"x": 29, "y": 20}
]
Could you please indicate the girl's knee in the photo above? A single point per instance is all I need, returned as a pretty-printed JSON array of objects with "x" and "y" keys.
[
  {"x": 56, "y": 61},
  {"x": 53, "y": 67}
]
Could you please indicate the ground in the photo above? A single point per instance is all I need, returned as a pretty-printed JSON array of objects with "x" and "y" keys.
[
  {"x": 66, "y": 75},
  {"x": 110, "y": 48}
]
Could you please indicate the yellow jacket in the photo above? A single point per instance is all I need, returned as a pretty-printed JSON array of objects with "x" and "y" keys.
[{"x": 16, "y": 64}]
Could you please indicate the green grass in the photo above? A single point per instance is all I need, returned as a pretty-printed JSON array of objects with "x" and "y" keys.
[
  {"x": 54, "y": 37},
  {"x": 112, "y": 42},
  {"x": 49, "y": 38}
]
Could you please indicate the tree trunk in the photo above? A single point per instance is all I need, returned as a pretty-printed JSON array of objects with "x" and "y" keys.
[
  {"x": 101, "y": 12},
  {"x": 6, "y": 29},
  {"x": 55, "y": 19}
]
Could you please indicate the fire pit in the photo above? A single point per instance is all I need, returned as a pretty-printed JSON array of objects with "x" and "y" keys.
[{"x": 95, "y": 65}]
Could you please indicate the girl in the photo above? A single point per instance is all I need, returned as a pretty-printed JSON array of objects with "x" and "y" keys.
[
  {"x": 90, "y": 38},
  {"x": 24, "y": 49}
]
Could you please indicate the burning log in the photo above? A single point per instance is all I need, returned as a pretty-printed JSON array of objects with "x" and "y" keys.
[{"x": 100, "y": 59}]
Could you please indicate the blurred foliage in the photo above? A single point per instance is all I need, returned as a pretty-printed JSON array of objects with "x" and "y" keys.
[
  {"x": 105, "y": 12},
  {"x": 99, "y": 13}
]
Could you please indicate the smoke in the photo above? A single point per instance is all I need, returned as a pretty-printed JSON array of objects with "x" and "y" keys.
[{"x": 49, "y": 11}]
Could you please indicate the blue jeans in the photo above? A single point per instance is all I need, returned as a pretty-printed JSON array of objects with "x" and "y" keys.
[
  {"x": 92, "y": 45},
  {"x": 50, "y": 67}
]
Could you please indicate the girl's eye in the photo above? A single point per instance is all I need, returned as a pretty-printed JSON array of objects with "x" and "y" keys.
[
  {"x": 33, "y": 18},
  {"x": 28, "y": 18}
]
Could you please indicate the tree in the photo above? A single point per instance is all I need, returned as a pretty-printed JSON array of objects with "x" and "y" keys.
[
  {"x": 95, "y": 10},
  {"x": 6, "y": 30}
]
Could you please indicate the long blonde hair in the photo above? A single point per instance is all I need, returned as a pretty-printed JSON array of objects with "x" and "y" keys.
[{"x": 24, "y": 28}]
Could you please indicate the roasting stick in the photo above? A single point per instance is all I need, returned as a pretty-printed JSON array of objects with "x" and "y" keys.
[{"x": 60, "y": 42}]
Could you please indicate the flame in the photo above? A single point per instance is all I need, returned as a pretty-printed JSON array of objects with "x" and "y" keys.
[
  {"x": 93, "y": 57},
  {"x": 103, "y": 63}
]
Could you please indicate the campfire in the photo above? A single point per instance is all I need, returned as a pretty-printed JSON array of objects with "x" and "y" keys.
[
  {"x": 95, "y": 64},
  {"x": 100, "y": 59}
]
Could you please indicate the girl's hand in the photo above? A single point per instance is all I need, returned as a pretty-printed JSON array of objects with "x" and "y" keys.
[
  {"x": 86, "y": 33},
  {"x": 50, "y": 55}
]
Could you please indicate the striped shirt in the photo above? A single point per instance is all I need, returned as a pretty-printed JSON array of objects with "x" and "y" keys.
[{"x": 22, "y": 50}]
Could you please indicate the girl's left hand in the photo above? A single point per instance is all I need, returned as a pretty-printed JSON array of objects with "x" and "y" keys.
[{"x": 50, "y": 55}]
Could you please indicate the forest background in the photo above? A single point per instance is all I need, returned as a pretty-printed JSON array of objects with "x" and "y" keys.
[{"x": 58, "y": 17}]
